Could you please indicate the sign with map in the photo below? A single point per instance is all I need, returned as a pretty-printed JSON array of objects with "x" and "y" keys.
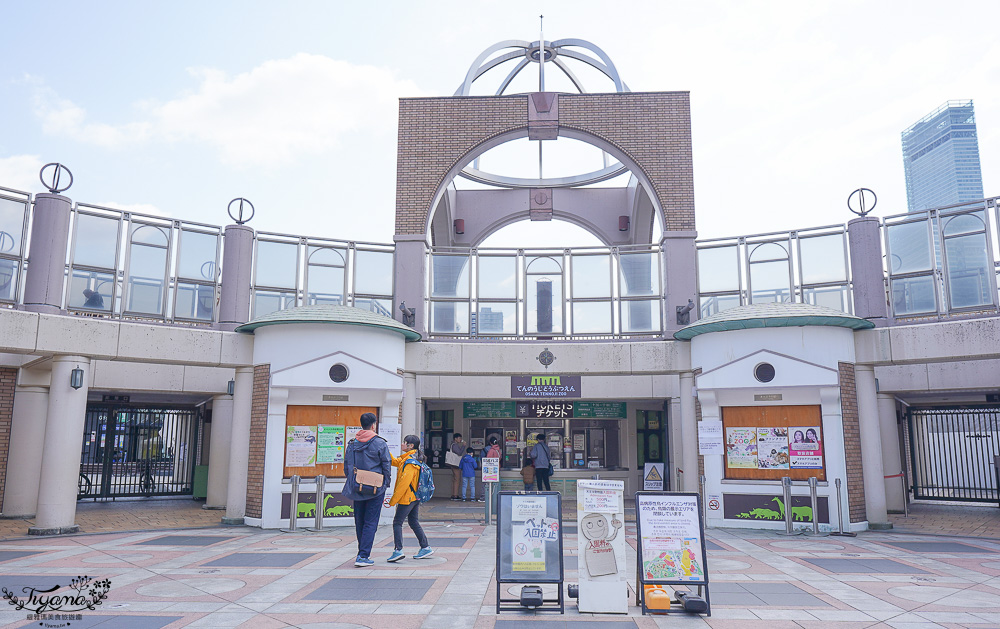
[{"x": 671, "y": 538}]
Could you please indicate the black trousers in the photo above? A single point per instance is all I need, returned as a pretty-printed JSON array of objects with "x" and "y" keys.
[
  {"x": 410, "y": 513},
  {"x": 542, "y": 479}
]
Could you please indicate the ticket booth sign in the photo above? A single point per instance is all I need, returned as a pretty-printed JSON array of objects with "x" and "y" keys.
[
  {"x": 671, "y": 542},
  {"x": 600, "y": 509}
]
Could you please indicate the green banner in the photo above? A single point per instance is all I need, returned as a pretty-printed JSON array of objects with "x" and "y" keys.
[
  {"x": 488, "y": 410},
  {"x": 597, "y": 410}
]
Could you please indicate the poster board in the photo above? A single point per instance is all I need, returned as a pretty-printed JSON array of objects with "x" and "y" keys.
[
  {"x": 529, "y": 544},
  {"x": 670, "y": 537},
  {"x": 600, "y": 509},
  {"x": 337, "y": 422},
  {"x": 769, "y": 442}
]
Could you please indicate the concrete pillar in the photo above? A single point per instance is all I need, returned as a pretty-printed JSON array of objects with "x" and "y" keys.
[
  {"x": 689, "y": 434},
  {"x": 680, "y": 282},
  {"x": 410, "y": 425},
  {"x": 871, "y": 448},
  {"x": 43, "y": 284},
  {"x": 218, "y": 452},
  {"x": 237, "y": 262},
  {"x": 60, "y": 468},
  {"x": 239, "y": 452},
  {"x": 891, "y": 461},
  {"x": 411, "y": 278},
  {"x": 865, "y": 238},
  {"x": 676, "y": 450},
  {"x": 24, "y": 458}
]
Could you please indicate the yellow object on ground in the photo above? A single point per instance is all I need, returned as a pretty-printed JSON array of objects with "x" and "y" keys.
[{"x": 657, "y": 596}]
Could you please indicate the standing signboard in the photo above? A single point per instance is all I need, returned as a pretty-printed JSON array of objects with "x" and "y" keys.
[
  {"x": 671, "y": 543},
  {"x": 600, "y": 509},
  {"x": 529, "y": 545}
]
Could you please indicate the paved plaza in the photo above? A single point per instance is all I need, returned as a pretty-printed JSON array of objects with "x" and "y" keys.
[{"x": 192, "y": 575}]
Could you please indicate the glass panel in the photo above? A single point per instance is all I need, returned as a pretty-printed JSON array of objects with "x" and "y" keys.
[
  {"x": 713, "y": 305},
  {"x": 8, "y": 279},
  {"x": 494, "y": 318},
  {"x": 592, "y": 317},
  {"x": 497, "y": 277},
  {"x": 964, "y": 224},
  {"x": 373, "y": 272},
  {"x": 90, "y": 291},
  {"x": 194, "y": 301},
  {"x": 969, "y": 266},
  {"x": 268, "y": 301},
  {"x": 718, "y": 269},
  {"x": 641, "y": 316},
  {"x": 640, "y": 274},
  {"x": 544, "y": 305},
  {"x": 913, "y": 295},
  {"x": 11, "y": 226},
  {"x": 325, "y": 284},
  {"x": 198, "y": 254},
  {"x": 277, "y": 264},
  {"x": 543, "y": 265},
  {"x": 149, "y": 235},
  {"x": 449, "y": 276},
  {"x": 823, "y": 259},
  {"x": 835, "y": 297},
  {"x": 769, "y": 281},
  {"x": 450, "y": 317},
  {"x": 591, "y": 276},
  {"x": 147, "y": 262},
  {"x": 378, "y": 306},
  {"x": 909, "y": 248},
  {"x": 96, "y": 241},
  {"x": 145, "y": 295}
]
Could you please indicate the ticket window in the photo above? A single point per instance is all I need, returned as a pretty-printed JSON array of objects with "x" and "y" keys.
[
  {"x": 595, "y": 445},
  {"x": 507, "y": 432},
  {"x": 439, "y": 426}
]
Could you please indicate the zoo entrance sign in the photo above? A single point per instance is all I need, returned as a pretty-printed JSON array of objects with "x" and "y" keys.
[{"x": 544, "y": 386}]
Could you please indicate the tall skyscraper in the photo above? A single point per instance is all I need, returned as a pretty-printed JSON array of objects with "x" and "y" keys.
[{"x": 941, "y": 158}]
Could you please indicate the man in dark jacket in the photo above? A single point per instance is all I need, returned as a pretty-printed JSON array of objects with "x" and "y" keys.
[{"x": 369, "y": 452}]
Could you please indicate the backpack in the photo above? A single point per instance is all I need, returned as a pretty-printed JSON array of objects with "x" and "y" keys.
[{"x": 425, "y": 481}]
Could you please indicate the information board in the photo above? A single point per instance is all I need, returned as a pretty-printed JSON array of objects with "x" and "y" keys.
[
  {"x": 330, "y": 444},
  {"x": 300, "y": 446},
  {"x": 671, "y": 538},
  {"x": 600, "y": 508},
  {"x": 491, "y": 470},
  {"x": 487, "y": 410},
  {"x": 710, "y": 439},
  {"x": 529, "y": 544}
]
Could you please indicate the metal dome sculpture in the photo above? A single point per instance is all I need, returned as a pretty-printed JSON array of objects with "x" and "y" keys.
[{"x": 522, "y": 54}]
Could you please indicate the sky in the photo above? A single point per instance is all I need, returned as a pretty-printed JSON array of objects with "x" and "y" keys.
[{"x": 176, "y": 108}]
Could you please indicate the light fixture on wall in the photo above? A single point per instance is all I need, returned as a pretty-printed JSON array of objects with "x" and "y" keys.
[
  {"x": 76, "y": 378},
  {"x": 231, "y": 387}
]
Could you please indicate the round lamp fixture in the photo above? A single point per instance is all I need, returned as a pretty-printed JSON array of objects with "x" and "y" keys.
[
  {"x": 764, "y": 372},
  {"x": 339, "y": 372}
]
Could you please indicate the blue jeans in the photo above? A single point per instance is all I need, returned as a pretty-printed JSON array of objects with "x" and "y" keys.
[
  {"x": 529, "y": 487},
  {"x": 366, "y": 513},
  {"x": 470, "y": 482}
]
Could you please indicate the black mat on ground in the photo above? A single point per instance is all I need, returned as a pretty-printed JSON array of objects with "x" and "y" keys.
[
  {"x": 259, "y": 560},
  {"x": 184, "y": 540},
  {"x": 838, "y": 565},
  {"x": 937, "y": 547},
  {"x": 361, "y": 589},
  {"x": 564, "y": 624},
  {"x": 7, "y": 555},
  {"x": 444, "y": 542},
  {"x": 763, "y": 595}
]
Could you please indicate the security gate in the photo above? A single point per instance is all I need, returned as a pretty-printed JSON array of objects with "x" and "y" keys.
[
  {"x": 952, "y": 453},
  {"x": 138, "y": 450}
]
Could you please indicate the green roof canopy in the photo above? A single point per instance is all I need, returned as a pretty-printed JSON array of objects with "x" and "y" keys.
[
  {"x": 772, "y": 315},
  {"x": 344, "y": 315}
]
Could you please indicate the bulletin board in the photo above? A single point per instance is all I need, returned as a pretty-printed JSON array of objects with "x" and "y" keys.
[
  {"x": 305, "y": 422},
  {"x": 749, "y": 457}
]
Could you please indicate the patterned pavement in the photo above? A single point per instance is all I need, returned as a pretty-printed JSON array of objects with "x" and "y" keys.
[{"x": 242, "y": 577}]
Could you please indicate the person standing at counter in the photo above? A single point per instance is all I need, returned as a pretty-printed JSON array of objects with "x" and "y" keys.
[
  {"x": 541, "y": 457},
  {"x": 458, "y": 449}
]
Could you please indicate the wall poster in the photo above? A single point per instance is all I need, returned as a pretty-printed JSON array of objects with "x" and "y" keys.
[
  {"x": 741, "y": 447},
  {"x": 330, "y": 444},
  {"x": 772, "y": 448},
  {"x": 300, "y": 446},
  {"x": 806, "y": 447}
]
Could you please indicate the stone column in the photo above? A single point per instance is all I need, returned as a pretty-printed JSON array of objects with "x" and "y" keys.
[
  {"x": 411, "y": 278},
  {"x": 865, "y": 239},
  {"x": 60, "y": 467},
  {"x": 892, "y": 463},
  {"x": 43, "y": 283},
  {"x": 239, "y": 452},
  {"x": 676, "y": 457},
  {"x": 689, "y": 434},
  {"x": 410, "y": 424},
  {"x": 237, "y": 262},
  {"x": 218, "y": 452},
  {"x": 680, "y": 282},
  {"x": 871, "y": 448},
  {"x": 24, "y": 458}
]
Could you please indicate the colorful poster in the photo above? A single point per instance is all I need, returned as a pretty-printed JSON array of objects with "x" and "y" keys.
[
  {"x": 772, "y": 448},
  {"x": 741, "y": 447},
  {"x": 806, "y": 447},
  {"x": 528, "y": 553},
  {"x": 300, "y": 446},
  {"x": 330, "y": 444},
  {"x": 669, "y": 529}
]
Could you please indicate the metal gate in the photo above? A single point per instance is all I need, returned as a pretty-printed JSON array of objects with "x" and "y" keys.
[
  {"x": 138, "y": 450},
  {"x": 952, "y": 453}
]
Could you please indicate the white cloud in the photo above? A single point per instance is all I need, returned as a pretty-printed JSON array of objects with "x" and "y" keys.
[
  {"x": 20, "y": 172},
  {"x": 272, "y": 115}
]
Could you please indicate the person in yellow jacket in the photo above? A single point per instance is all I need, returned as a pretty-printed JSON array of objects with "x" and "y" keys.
[{"x": 405, "y": 500}]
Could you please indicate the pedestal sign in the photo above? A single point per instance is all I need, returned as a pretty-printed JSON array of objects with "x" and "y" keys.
[
  {"x": 671, "y": 543},
  {"x": 529, "y": 546},
  {"x": 600, "y": 509}
]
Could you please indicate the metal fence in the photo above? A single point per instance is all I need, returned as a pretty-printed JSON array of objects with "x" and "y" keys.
[{"x": 952, "y": 453}]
